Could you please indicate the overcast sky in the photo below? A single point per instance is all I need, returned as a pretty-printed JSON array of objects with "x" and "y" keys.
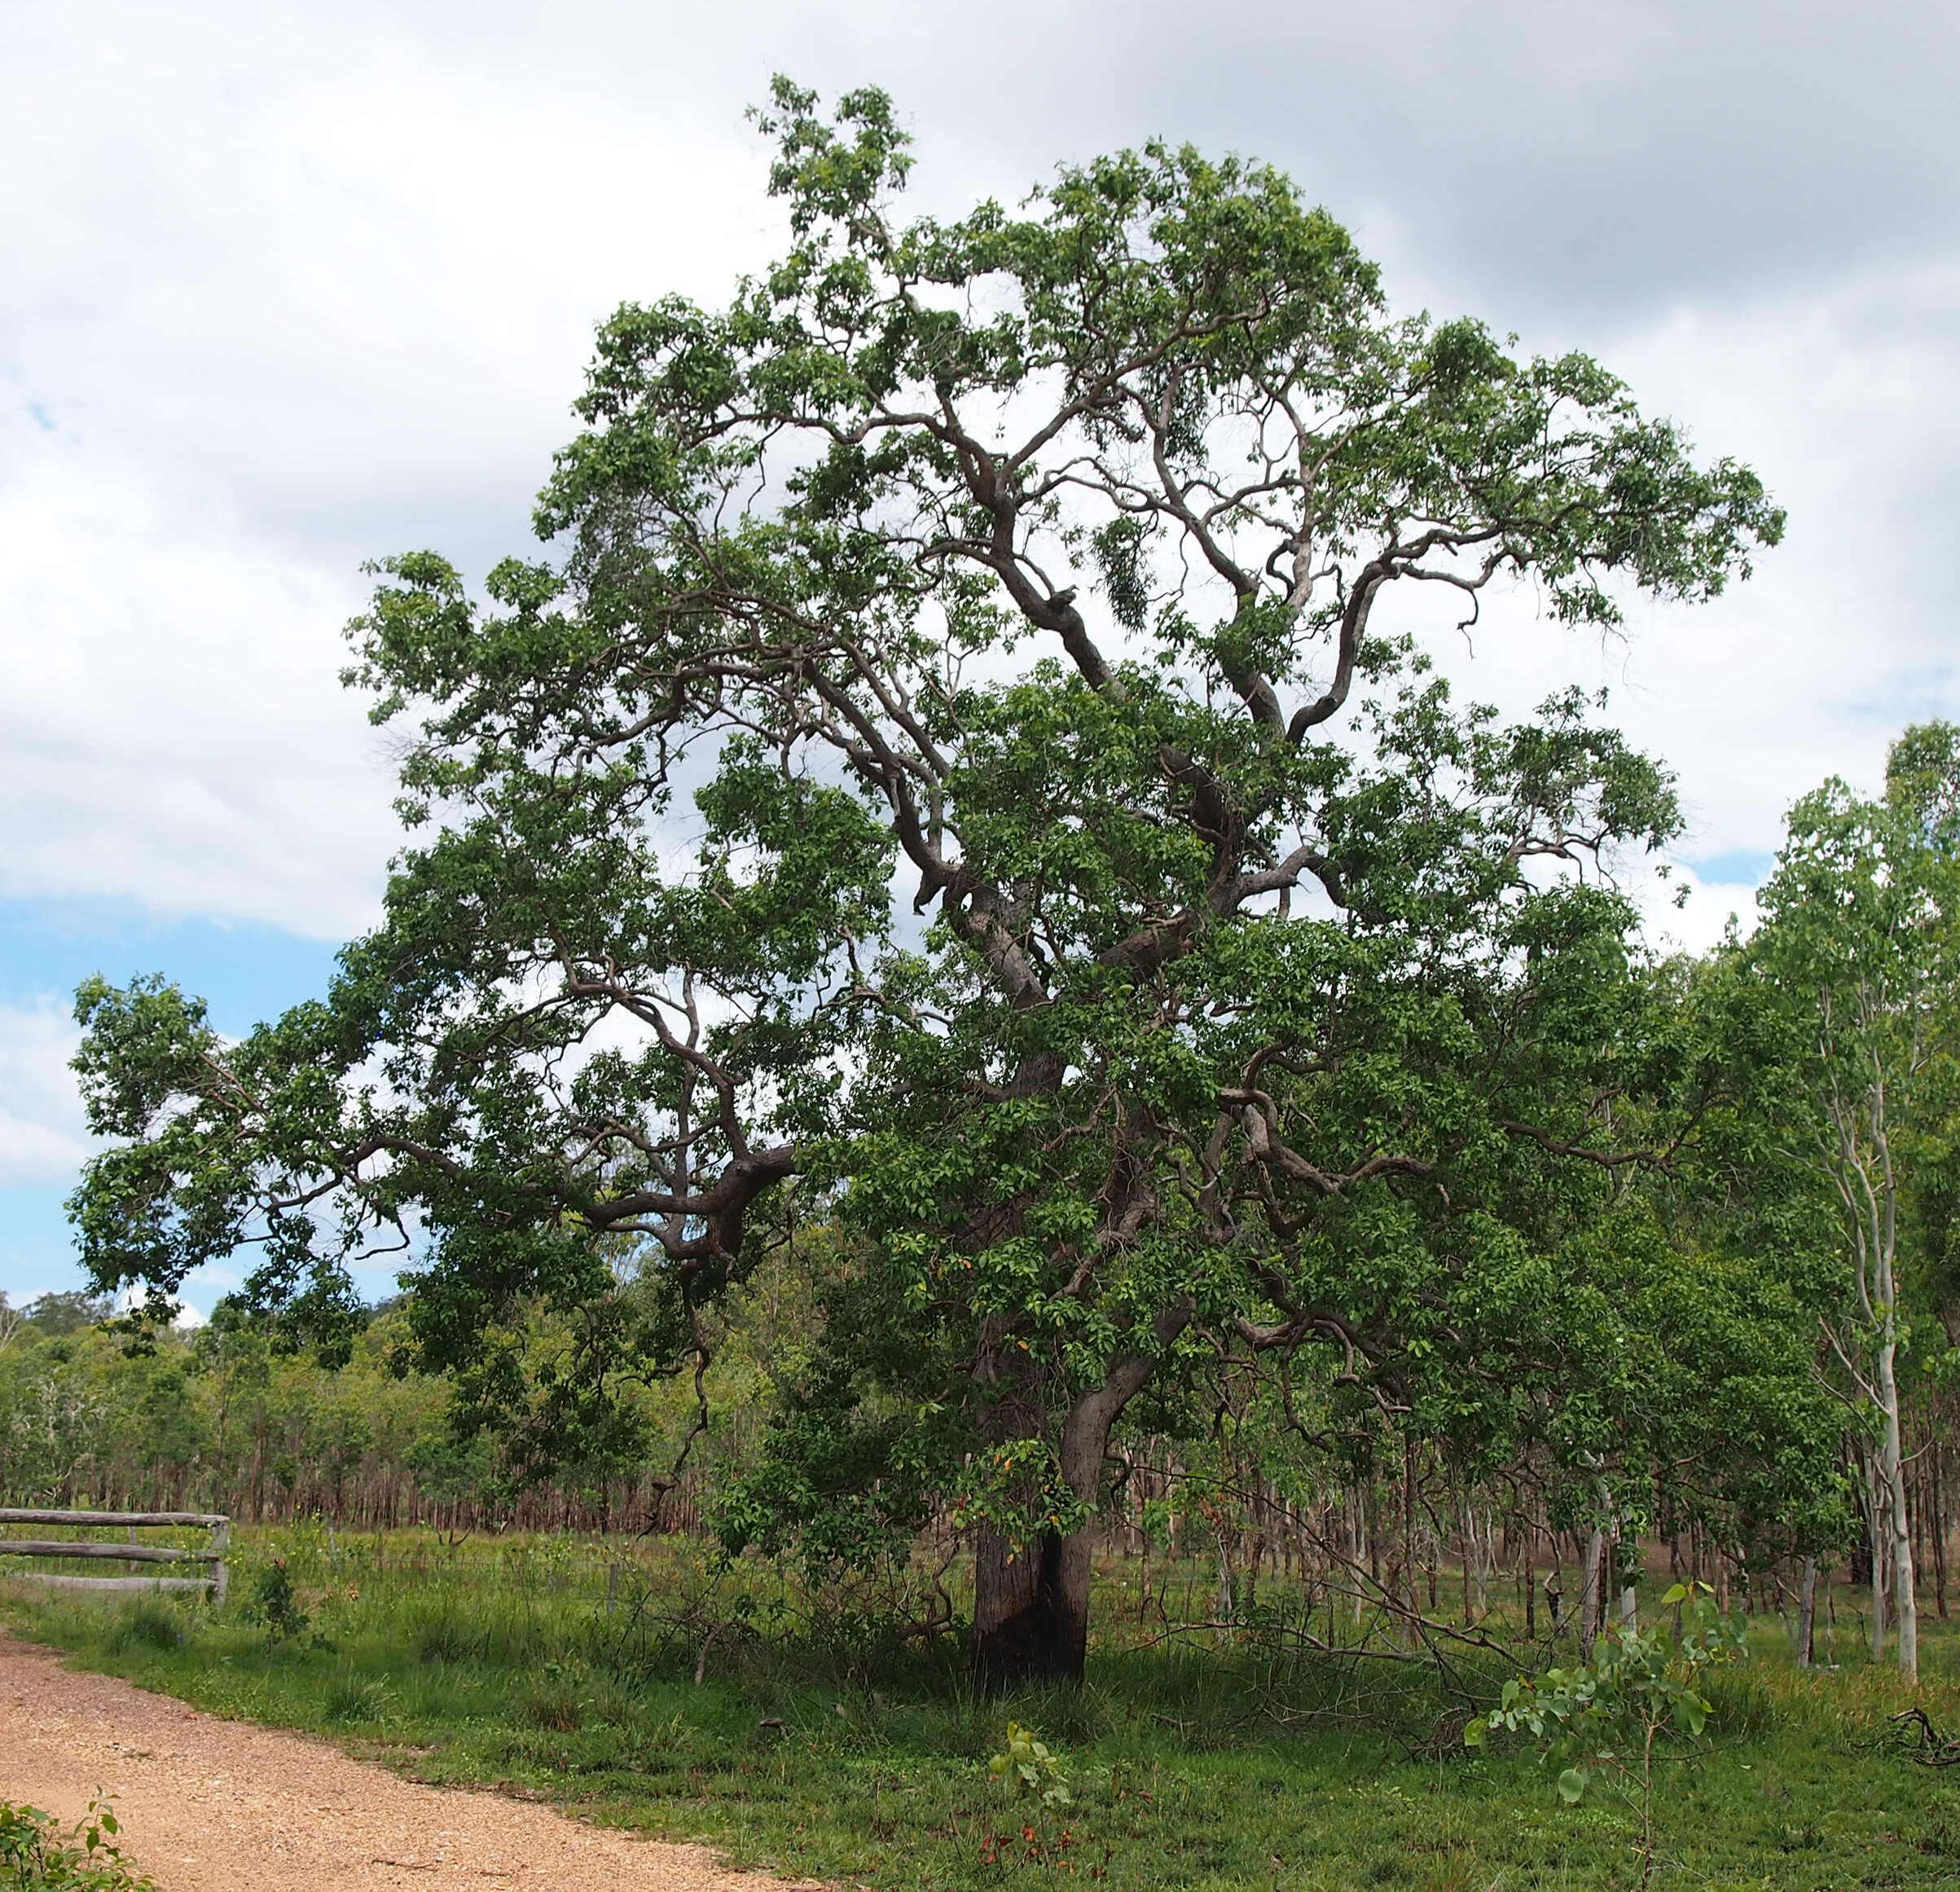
[{"x": 288, "y": 288}]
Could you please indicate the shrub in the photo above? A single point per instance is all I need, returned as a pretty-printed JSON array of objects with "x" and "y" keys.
[
  {"x": 1027, "y": 1766},
  {"x": 36, "y": 1851},
  {"x": 275, "y": 1603},
  {"x": 1607, "y": 1719}
]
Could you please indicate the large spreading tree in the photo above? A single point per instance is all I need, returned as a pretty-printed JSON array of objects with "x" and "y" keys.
[{"x": 951, "y": 787}]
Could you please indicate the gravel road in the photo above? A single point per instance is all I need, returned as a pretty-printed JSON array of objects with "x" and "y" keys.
[{"x": 212, "y": 1806}]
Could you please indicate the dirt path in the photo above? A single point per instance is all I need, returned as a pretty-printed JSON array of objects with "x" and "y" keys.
[{"x": 212, "y": 1806}]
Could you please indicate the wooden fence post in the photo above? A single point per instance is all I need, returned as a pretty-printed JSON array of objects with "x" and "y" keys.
[{"x": 92, "y": 1549}]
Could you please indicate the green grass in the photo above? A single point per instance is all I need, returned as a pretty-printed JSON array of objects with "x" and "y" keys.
[{"x": 841, "y": 1754}]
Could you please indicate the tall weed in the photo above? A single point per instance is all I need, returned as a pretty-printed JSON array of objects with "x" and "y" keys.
[{"x": 148, "y": 1623}]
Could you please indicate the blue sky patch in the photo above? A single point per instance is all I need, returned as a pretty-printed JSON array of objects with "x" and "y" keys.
[
  {"x": 246, "y": 973},
  {"x": 1736, "y": 867}
]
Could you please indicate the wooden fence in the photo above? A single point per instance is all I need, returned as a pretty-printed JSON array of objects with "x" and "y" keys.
[{"x": 131, "y": 1552}]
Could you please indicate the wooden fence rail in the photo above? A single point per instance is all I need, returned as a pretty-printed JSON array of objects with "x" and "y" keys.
[{"x": 214, "y": 1585}]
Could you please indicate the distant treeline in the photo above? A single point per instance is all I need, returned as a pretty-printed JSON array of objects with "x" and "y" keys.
[
  {"x": 221, "y": 1418},
  {"x": 218, "y": 1417}
]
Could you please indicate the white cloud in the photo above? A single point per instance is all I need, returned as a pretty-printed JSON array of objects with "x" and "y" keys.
[
  {"x": 284, "y": 313},
  {"x": 172, "y": 736},
  {"x": 43, "y": 1137},
  {"x": 318, "y": 285},
  {"x": 1698, "y": 922},
  {"x": 188, "y": 1319},
  {"x": 292, "y": 286},
  {"x": 1847, "y": 401}
]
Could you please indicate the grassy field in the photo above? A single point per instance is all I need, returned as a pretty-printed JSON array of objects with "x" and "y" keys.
[{"x": 569, "y": 1672}]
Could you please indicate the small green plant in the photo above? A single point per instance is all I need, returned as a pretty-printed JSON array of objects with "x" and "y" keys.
[
  {"x": 1607, "y": 1720},
  {"x": 36, "y": 1851},
  {"x": 274, "y": 1603},
  {"x": 1026, "y": 1766}
]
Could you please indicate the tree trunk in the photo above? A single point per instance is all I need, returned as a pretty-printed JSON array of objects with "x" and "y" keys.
[
  {"x": 1225, "y": 1605},
  {"x": 1896, "y": 1518},
  {"x": 1937, "y": 1532},
  {"x": 1874, "y": 1546},
  {"x": 1591, "y": 1609},
  {"x": 1031, "y": 1602},
  {"x": 1030, "y": 1609},
  {"x": 1807, "y": 1615}
]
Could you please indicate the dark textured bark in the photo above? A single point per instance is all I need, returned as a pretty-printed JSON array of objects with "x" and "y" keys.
[
  {"x": 1031, "y": 1609},
  {"x": 1031, "y": 1601}
]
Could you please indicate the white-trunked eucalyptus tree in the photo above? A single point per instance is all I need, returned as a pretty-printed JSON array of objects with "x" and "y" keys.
[
  {"x": 1856, "y": 961},
  {"x": 1029, "y": 564}
]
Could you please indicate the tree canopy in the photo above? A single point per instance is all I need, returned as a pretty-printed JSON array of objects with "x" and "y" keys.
[{"x": 944, "y": 796}]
